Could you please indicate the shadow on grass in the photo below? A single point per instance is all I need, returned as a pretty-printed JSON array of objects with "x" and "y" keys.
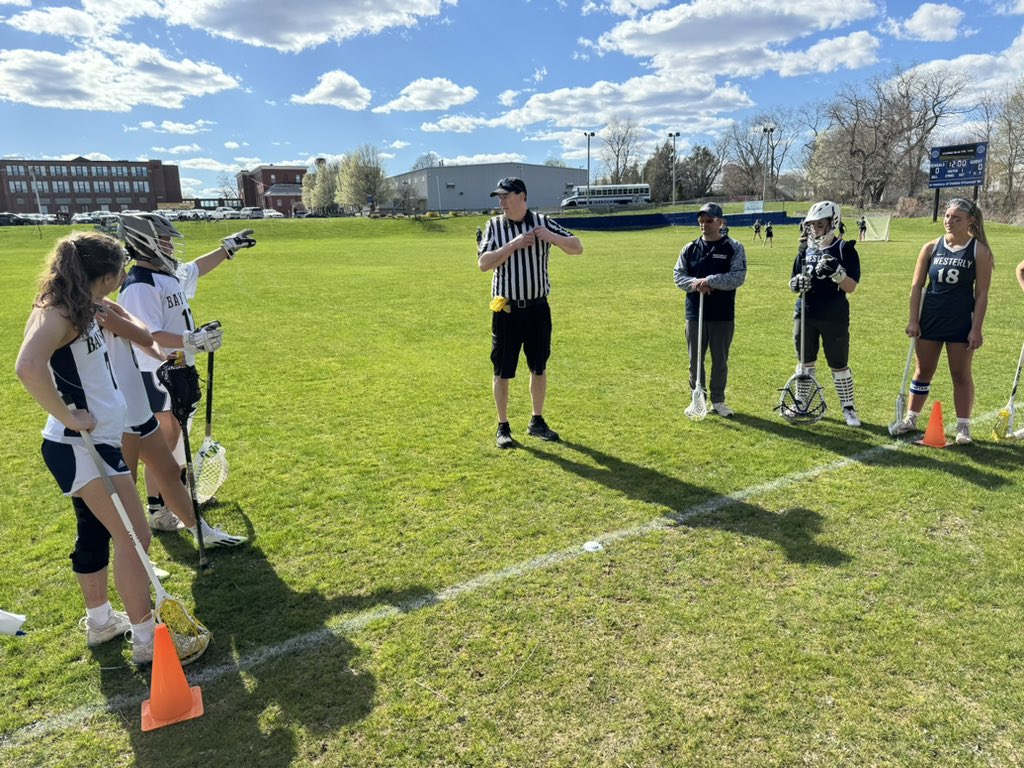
[
  {"x": 793, "y": 531},
  {"x": 856, "y": 441},
  {"x": 277, "y": 683}
]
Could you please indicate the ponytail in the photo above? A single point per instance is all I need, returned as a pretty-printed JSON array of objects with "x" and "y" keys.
[{"x": 75, "y": 262}]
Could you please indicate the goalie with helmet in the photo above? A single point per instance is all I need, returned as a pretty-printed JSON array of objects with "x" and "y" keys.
[
  {"x": 826, "y": 269},
  {"x": 157, "y": 291}
]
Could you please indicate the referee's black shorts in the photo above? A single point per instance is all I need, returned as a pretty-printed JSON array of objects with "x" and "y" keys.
[{"x": 527, "y": 329}]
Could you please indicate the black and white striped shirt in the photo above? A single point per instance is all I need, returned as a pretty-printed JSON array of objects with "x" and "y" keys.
[{"x": 524, "y": 275}]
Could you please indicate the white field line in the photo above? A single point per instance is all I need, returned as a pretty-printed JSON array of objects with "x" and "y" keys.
[{"x": 344, "y": 626}]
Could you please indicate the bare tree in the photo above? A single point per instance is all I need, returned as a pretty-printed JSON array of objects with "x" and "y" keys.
[
  {"x": 554, "y": 162},
  {"x": 227, "y": 186},
  {"x": 426, "y": 160},
  {"x": 620, "y": 150},
  {"x": 757, "y": 148},
  {"x": 363, "y": 180}
]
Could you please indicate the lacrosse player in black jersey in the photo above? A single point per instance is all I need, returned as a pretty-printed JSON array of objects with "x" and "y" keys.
[
  {"x": 827, "y": 272},
  {"x": 958, "y": 269}
]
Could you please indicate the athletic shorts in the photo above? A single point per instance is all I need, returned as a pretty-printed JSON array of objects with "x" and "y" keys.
[
  {"x": 834, "y": 336},
  {"x": 528, "y": 330},
  {"x": 147, "y": 428},
  {"x": 159, "y": 400},
  {"x": 73, "y": 468},
  {"x": 948, "y": 330}
]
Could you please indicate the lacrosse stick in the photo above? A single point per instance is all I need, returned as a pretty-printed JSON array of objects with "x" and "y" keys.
[
  {"x": 1004, "y": 420},
  {"x": 698, "y": 407},
  {"x": 211, "y": 462},
  {"x": 802, "y": 401},
  {"x": 182, "y": 384},
  {"x": 191, "y": 637},
  {"x": 901, "y": 398}
]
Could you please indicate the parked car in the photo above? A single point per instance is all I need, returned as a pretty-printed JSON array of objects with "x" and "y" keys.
[
  {"x": 224, "y": 212},
  {"x": 270, "y": 213},
  {"x": 83, "y": 218},
  {"x": 13, "y": 220},
  {"x": 250, "y": 212}
]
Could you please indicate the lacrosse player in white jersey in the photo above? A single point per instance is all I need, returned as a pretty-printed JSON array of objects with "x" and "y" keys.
[{"x": 157, "y": 292}]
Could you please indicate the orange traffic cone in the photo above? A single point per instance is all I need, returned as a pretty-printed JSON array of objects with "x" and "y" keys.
[
  {"x": 170, "y": 699},
  {"x": 935, "y": 435}
]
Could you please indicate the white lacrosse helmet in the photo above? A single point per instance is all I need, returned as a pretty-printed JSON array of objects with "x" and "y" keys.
[
  {"x": 826, "y": 209},
  {"x": 150, "y": 237}
]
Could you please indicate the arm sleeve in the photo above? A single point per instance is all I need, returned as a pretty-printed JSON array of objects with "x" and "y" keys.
[
  {"x": 680, "y": 275},
  {"x": 557, "y": 228},
  {"x": 190, "y": 280},
  {"x": 487, "y": 241},
  {"x": 851, "y": 260},
  {"x": 737, "y": 274}
]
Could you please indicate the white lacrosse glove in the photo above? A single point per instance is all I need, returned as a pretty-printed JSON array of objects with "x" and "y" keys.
[
  {"x": 839, "y": 275},
  {"x": 236, "y": 242},
  {"x": 207, "y": 338},
  {"x": 829, "y": 266},
  {"x": 801, "y": 282}
]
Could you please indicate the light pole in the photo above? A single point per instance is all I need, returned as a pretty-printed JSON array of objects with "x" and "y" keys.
[
  {"x": 766, "y": 130},
  {"x": 673, "y": 135},
  {"x": 589, "y": 135}
]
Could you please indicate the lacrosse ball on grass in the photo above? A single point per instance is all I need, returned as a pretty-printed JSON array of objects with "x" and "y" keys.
[{"x": 593, "y": 546}]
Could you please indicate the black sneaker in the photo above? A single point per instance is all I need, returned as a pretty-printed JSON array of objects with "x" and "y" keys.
[
  {"x": 539, "y": 428},
  {"x": 504, "y": 436}
]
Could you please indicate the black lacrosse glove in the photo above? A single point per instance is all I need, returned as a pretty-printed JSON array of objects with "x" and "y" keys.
[{"x": 829, "y": 267}]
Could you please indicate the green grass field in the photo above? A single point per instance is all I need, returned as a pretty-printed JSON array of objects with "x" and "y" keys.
[{"x": 768, "y": 595}]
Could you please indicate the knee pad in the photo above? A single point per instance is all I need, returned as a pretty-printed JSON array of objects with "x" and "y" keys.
[
  {"x": 92, "y": 542},
  {"x": 920, "y": 387}
]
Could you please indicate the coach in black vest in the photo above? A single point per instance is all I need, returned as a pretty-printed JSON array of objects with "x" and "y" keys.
[{"x": 714, "y": 266}]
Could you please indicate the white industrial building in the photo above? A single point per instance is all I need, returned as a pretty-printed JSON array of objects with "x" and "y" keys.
[{"x": 468, "y": 187}]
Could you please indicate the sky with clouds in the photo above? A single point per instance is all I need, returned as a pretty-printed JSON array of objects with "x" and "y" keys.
[{"x": 215, "y": 86}]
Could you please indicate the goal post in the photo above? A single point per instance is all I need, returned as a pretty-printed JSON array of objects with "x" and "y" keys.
[{"x": 878, "y": 226}]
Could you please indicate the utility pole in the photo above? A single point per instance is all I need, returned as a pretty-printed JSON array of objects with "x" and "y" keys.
[
  {"x": 768, "y": 129},
  {"x": 673, "y": 135},
  {"x": 589, "y": 135}
]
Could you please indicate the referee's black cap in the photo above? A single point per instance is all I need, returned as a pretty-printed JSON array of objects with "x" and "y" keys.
[
  {"x": 711, "y": 210},
  {"x": 510, "y": 184}
]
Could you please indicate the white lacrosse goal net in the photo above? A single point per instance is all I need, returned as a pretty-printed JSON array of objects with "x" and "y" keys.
[{"x": 878, "y": 226}]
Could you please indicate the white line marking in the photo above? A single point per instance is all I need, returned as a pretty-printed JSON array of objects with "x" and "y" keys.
[{"x": 343, "y": 626}]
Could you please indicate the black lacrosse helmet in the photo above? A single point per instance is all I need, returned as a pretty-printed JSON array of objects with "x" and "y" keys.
[{"x": 182, "y": 384}]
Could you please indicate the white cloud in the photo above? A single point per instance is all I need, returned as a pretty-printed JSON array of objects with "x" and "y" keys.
[
  {"x": 851, "y": 52},
  {"x": 169, "y": 126},
  {"x": 64, "y": 22},
  {"x": 178, "y": 150},
  {"x": 337, "y": 89},
  {"x": 273, "y": 24},
  {"x": 209, "y": 164},
  {"x": 985, "y": 72},
  {"x": 508, "y": 97},
  {"x": 539, "y": 74},
  {"x": 932, "y": 22},
  {"x": 621, "y": 7},
  {"x": 388, "y": 155},
  {"x": 398, "y": 144},
  {"x": 424, "y": 94},
  {"x": 231, "y": 145},
  {"x": 480, "y": 159},
  {"x": 87, "y": 156},
  {"x": 249, "y": 162},
  {"x": 116, "y": 78},
  {"x": 459, "y": 124}
]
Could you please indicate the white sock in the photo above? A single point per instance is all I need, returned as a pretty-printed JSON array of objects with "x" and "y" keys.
[
  {"x": 101, "y": 615},
  {"x": 963, "y": 422},
  {"x": 142, "y": 634}
]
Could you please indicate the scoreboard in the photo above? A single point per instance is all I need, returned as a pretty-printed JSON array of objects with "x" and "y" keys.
[{"x": 959, "y": 165}]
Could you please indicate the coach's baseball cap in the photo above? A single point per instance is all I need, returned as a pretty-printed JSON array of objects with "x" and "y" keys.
[
  {"x": 510, "y": 184},
  {"x": 712, "y": 210}
]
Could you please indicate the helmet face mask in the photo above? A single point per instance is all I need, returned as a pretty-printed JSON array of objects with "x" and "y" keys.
[
  {"x": 151, "y": 238},
  {"x": 825, "y": 210}
]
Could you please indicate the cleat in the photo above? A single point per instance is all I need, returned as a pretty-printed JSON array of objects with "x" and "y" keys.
[
  {"x": 504, "y": 436},
  {"x": 162, "y": 519},
  {"x": 189, "y": 648},
  {"x": 909, "y": 424},
  {"x": 117, "y": 625},
  {"x": 142, "y": 653},
  {"x": 539, "y": 428},
  {"x": 215, "y": 537},
  {"x": 723, "y": 410},
  {"x": 851, "y": 416},
  {"x": 963, "y": 434}
]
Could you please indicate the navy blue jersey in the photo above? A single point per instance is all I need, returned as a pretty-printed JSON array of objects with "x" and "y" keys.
[
  {"x": 948, "y": 309},
  {"x": 701, "y": 258},
  {"x": 826, "y": 300}
]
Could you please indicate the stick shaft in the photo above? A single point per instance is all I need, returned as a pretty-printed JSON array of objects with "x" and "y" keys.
[{"x": 209, "y": 394}]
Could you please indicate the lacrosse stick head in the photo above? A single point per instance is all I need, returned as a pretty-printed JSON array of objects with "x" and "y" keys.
[
  {"x": 801, "y": 401},
  {"x": 698, "y": 407},
  {"x": 182, "y": 384},
  {"x": 211, "y": 469},
  {"x": 901, "y": 409},
  {"x": 191, "y": 637}
]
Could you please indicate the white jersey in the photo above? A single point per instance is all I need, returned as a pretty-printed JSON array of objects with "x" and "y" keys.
[
  {"x": 81, "y": 372},
  {"x": 160, "y": 301},
  {"x": 129, "y": 379}
]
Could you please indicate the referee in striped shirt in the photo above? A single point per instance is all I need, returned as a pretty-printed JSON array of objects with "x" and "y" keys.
[{"x": 516, "y": 246}]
